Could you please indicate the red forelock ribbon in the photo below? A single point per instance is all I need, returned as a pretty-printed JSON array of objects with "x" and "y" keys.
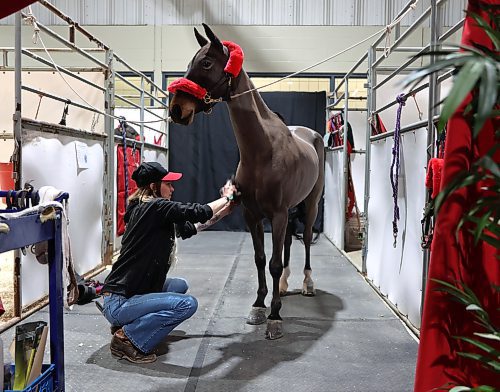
[
  {"x": 235, "y": 61},
  {"x": 188, "y": 86}
]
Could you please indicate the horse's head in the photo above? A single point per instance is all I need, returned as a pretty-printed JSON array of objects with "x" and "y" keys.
[{"x": 208, "y": 79}]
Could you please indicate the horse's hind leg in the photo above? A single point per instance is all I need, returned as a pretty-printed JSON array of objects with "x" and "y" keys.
[
  {"x": 258, "y": 313},
  {"x": 308, "y": 284},
  {"x": 311, "y": 204},
  {"x": 286, "y": 260}
]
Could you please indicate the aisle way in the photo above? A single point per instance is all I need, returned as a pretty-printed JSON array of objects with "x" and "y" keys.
[{"x": 344, "y": 339}]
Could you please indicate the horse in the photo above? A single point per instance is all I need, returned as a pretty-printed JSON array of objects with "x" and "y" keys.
[{"x": 279, "y": 166}]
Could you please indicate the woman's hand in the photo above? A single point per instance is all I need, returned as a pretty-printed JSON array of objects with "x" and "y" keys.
[{"x": 229, "y": 190}]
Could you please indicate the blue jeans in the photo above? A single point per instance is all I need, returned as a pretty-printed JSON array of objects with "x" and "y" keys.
[{"x": 147, "y": 319}]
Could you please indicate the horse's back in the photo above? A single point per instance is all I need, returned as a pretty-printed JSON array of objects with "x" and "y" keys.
[{"x": 311, "y": 137}]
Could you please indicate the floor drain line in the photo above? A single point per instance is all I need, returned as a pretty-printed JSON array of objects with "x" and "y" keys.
[{"x": 195, "y": 373}]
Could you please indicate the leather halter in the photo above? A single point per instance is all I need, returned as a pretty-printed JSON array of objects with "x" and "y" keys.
[{"x": 231, "y": 70}]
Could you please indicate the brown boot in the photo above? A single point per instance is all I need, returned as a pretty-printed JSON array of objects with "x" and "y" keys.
[
  {"x": 114, "y": 328},
  {"x": 122, "y": 347}
]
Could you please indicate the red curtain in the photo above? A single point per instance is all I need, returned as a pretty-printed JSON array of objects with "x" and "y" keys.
[
  {"x": 455, "y": 258},
  {"x": 8, "y": 7}
]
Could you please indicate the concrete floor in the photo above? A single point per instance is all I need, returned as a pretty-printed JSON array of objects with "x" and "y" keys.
[{"x": 343, "y": 339}]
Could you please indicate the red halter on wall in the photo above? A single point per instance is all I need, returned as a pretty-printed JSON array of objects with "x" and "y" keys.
[{"x": 233, "y": 68}]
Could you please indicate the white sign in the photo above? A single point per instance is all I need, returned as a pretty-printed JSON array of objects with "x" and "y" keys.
[{"x": 82, "y": 155}]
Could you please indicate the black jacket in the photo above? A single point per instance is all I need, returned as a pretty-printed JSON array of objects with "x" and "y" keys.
[{"x": 147, "y": 243}]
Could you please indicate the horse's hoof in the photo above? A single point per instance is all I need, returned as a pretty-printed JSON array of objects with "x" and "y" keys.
[
  {"x": 257, "y": 316},
  {"x": 274, "y": 329},
  {"x": 308, "y": 290}
]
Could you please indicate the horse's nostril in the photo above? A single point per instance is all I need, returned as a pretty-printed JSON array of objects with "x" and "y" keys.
[{"x": 176, "y": 112}]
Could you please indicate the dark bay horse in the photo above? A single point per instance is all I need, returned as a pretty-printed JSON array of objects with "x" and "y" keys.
[{"x": 279, "y": 166}]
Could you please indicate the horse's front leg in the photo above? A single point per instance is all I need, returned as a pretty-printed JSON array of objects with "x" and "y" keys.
[
  {"x": 257, "y": 314},
  {"x": 274, "y": 321}
]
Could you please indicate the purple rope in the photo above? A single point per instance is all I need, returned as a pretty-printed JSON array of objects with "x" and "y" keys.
[
  {"x": 125, "y": 163},
  {"x": 394, "y": 175}
]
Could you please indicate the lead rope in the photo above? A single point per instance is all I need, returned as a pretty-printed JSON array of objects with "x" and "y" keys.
[{"x": 394, "y": 175}]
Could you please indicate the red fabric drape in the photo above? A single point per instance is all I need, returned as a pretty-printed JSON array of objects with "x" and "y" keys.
[
  {"x": 452, "y": 259},
  {"x": 8, "y": 7},
  {"x": 133, "y": 160}
]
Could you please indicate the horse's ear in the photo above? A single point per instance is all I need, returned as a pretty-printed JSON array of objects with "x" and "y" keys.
[
  {"x": 211, "y": 36},
  {"x": 201, "y": 39}
]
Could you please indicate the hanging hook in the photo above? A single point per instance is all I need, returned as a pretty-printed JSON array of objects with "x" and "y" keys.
[
  {"x": 38, "y": 108},
  {"x": 65, "y": 113}
]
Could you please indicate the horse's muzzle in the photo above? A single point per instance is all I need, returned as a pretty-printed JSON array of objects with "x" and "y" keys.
[{"x": 179, "y": 116}]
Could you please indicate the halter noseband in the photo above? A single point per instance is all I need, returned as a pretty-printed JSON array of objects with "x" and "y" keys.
[{"x": 231, "y": 70}]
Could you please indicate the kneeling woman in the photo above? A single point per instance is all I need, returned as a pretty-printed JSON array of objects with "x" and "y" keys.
[{"x": 141, "y": 303}]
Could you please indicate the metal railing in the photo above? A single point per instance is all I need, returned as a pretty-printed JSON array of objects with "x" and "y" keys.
[
  {"x": 101, "y": 59},
  {"x": 373, "y": 65}
]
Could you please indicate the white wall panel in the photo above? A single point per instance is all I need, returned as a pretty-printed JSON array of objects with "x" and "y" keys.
[
  {"x": 357, "y": 119},
  {"x": 409, "y": 290},
  {"x": 51, "y": 160},
  {"x": 397, "y": 271},
  {"x": 333, "y": 197},
  {"x": 239, "y": 12}
]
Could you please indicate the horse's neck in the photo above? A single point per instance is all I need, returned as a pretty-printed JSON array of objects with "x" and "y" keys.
[{"x": 249, "y": 114}]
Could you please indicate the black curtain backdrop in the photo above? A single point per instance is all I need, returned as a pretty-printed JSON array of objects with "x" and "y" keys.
[{"x": 207, "y": 154}]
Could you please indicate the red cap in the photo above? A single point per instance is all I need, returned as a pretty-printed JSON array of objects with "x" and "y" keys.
[{"x": 172, "y": 176}]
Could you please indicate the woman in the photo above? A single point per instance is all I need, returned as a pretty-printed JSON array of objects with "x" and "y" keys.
[{"x": 142, "y": 305}]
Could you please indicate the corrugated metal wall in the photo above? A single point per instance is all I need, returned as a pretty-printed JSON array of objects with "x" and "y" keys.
[{"x": 239, "y": 12}]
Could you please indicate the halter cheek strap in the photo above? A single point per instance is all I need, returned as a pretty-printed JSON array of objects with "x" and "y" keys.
[{"x": 232, "y": 69}]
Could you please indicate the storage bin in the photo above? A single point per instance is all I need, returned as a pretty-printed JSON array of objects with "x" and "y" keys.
[{"x": 44, "y": 383}]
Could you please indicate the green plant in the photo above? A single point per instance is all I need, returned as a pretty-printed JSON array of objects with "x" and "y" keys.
[{"x": 490, "y": 357}]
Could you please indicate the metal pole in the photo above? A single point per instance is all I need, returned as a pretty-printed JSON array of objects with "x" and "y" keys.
[
  {"x": 18, "y": 100},
  {"x": 371, "y": 102},
  {"x": 345, "y": 168},
  {"x": 433, "y": 99},
  {"x": 16, "y": 155},
  {"x": 141, "y": 114},
  {"x": 109, "y": 164},
  {"x": 167, "y": 123},
  {"x": 56, "y": 305}
]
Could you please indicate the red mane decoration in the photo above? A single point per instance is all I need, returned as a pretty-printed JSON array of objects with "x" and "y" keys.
[
  {"x": 235, "y": 61},
  {"x": 188, "y": 86}
]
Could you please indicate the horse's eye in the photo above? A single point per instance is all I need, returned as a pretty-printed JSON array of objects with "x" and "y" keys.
[{"x": 206, "y": 64}]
